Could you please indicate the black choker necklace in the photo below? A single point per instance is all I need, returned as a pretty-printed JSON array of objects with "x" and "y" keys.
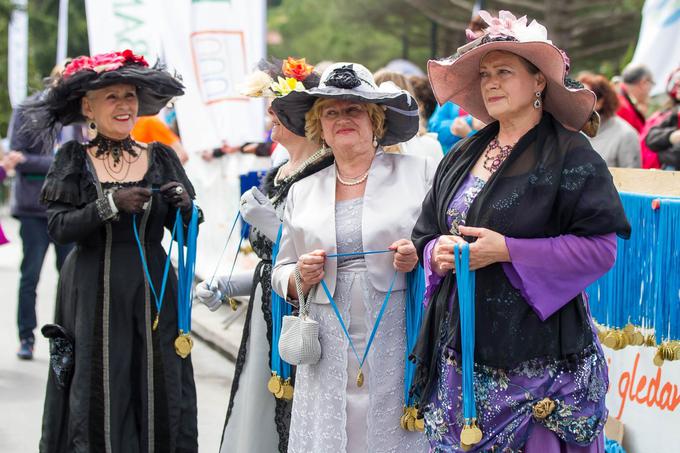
[{"x": 115, "y": 148}]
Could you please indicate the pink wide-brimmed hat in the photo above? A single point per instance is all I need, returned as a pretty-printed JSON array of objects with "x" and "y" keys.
[{"x": 457, "y": 78}]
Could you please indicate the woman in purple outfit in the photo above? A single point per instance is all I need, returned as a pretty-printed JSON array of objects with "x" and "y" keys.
[{"x": 539, "y": 206}]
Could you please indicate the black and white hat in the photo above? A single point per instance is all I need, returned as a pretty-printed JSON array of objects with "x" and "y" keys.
[{"x": 353, "y": 82}]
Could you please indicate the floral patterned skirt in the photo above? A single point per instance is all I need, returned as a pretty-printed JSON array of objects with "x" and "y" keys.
[{"x": 567, "y": 397}]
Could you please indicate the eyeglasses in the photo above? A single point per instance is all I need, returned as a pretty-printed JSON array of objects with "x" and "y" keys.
[{"x": 353, "y": 111}]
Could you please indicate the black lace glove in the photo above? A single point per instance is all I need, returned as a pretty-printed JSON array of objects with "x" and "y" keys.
[
  {"x": 131, "y": 199},
  {"x": 176, "y": 195}
]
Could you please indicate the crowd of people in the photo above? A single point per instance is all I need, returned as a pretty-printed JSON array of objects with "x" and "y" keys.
[{"x": 375, "y": 177}]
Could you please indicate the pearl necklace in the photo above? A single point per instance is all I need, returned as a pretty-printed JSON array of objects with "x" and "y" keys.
[
  {"x": 356, "y": 182},
  {"x": 311, "y": 159}
]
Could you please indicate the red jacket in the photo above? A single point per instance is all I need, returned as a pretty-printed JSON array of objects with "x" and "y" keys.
[{"x": 628, "y": 112}]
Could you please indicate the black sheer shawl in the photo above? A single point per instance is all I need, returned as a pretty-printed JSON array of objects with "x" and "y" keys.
[{"x": 552, "y": 183}]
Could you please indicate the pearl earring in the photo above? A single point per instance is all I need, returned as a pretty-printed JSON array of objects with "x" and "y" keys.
[{"x": 375, "y": 142}]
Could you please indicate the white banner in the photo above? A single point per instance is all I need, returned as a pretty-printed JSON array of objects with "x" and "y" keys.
[
  {"x": 646, "y": 398},
  {"x": 658, "y": 45},
  {"x": 17, "y": 54},
  {"x": 115, "y": 26},
  {"x": 214, "y": 45}
]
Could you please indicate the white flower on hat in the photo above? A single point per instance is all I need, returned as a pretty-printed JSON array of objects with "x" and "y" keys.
[
  {"x": 506, "y": 24},
  {"x": 257, "y": 85}
]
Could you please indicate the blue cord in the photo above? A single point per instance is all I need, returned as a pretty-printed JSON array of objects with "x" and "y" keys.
[{"x": 465, "y": 281}]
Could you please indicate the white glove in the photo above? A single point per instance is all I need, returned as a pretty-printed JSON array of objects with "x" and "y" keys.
[
  {"x": 259, "y": 212},
  {"x": 212, "y": 296}
]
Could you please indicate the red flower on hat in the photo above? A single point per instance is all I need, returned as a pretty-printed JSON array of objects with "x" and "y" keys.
[
  {"x": 77, "y": 64},
  {"x": 104, "y": 62},
  {"x": 297, "y": 69}
]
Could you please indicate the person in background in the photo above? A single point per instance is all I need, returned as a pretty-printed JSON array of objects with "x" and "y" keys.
[
  {"x": 426, "y": 101},
  {"x": 31, "y": 158},
  {"x": 636, "y": 84},
  {"x": 616, "y": 141},
  {"x": 149, "y": 129},
  {"x": 423, "y": 144},
  {"x": 664, "y": 137}
]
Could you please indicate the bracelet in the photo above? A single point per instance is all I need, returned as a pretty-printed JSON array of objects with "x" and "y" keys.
[{"x": 104, "y": 210}]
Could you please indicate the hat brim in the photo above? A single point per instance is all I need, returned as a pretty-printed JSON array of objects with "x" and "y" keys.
[
  {"x": 401, "y": 115},
  {"x": 458, "y": 81},
  {"x": 155, "y": 88}
]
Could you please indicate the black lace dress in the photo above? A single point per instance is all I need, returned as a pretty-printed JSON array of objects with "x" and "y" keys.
[
  {"x": 261, "y": 289},
  {"x": 128, "y": 391}
]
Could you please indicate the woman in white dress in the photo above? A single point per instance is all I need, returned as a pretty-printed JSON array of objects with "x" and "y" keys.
[{"x": 368, "y": 200}]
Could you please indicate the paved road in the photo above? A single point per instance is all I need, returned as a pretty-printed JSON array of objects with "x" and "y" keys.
[{"x": 22, "y": 384}]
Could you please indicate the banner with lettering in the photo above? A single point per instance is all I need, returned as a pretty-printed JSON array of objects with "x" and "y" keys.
[
  {"x": 117, "y": 25},
  {"x": 658, "y": 46},
  {"x": 646, "y": 398}
]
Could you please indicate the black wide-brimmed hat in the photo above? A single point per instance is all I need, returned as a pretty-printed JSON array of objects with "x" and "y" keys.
[
  {"x": 353, "y": 82},
  {"x": 60, "y": 103}
]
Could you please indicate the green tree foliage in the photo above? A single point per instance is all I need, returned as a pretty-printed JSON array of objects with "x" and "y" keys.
[{"x": 42, "y": 44}]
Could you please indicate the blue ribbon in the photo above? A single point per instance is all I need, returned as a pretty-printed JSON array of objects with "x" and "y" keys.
[
  {"x": 279, "y": 309},
  {"x": 157, "y": 299},
  {"x": 380, "y": 314},
  {"x": 465, "y": 281},
  {"x": 186, "y": 269},
  {"x": 415, "y": 293}
]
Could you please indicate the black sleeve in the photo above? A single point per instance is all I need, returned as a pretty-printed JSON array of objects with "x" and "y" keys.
[
  {"x": 658, "y": 137},
  {"x": 66, "y": 223}
]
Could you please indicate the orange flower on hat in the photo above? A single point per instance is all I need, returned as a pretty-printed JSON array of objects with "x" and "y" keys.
[{"x": 297, "y": 69}]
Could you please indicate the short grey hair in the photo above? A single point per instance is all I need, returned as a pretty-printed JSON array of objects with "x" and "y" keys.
[{"x": 635, "y": 73}]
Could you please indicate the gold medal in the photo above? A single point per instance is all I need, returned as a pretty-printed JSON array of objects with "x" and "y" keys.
[
  {"x": 360, "y": 378},
  {"x": 183, "y": 345},
  {"x": 638, "y": 339},
  {"x": 629, "y": 329},
  {"x": 420, "y": 424},
  {"x": 658, "y": 360},
  {"x": 610, "y": 340},
  {"x": 274, "y": 384},
  {"x": 477, "y": 432},
  {"x": 402, "y": 421},
  {"x": 288, "y": 390},
  {"x": 233, "y": 303},
  {"x": 155, "y": 322},
  {"x": 467, "y": 436},
  {"x": 279, "y": 394},
  {"x": 410, "y": 423}
]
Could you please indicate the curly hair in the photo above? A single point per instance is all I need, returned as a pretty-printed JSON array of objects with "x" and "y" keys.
[{"x": 314, "y": 132}]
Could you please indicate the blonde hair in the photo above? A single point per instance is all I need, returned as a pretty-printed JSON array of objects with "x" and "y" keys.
[{"x": 314, "y": 132}]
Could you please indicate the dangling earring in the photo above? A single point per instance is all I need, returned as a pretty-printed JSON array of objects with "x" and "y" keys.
[
  {"x": 537, "y": 102},
  {"x": 375, "y": 142},
  {"x": 91, "y": 130},
  {"x": 323, "y": 145}
]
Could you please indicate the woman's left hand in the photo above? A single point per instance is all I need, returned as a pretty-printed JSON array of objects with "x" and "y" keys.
[
  {"x": 176, "y": 195},
  {"x": 489, "y": 247},
  {"x": 405, "y": 255}
]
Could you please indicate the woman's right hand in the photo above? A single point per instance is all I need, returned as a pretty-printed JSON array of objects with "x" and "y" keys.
[
  {"x": 442, "y": 254},
  {"x": 131, "y": 199},
  {"x": 310, "y": 265}
]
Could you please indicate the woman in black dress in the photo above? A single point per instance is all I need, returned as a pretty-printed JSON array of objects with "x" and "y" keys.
[{"x": 116, "y": 383}]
